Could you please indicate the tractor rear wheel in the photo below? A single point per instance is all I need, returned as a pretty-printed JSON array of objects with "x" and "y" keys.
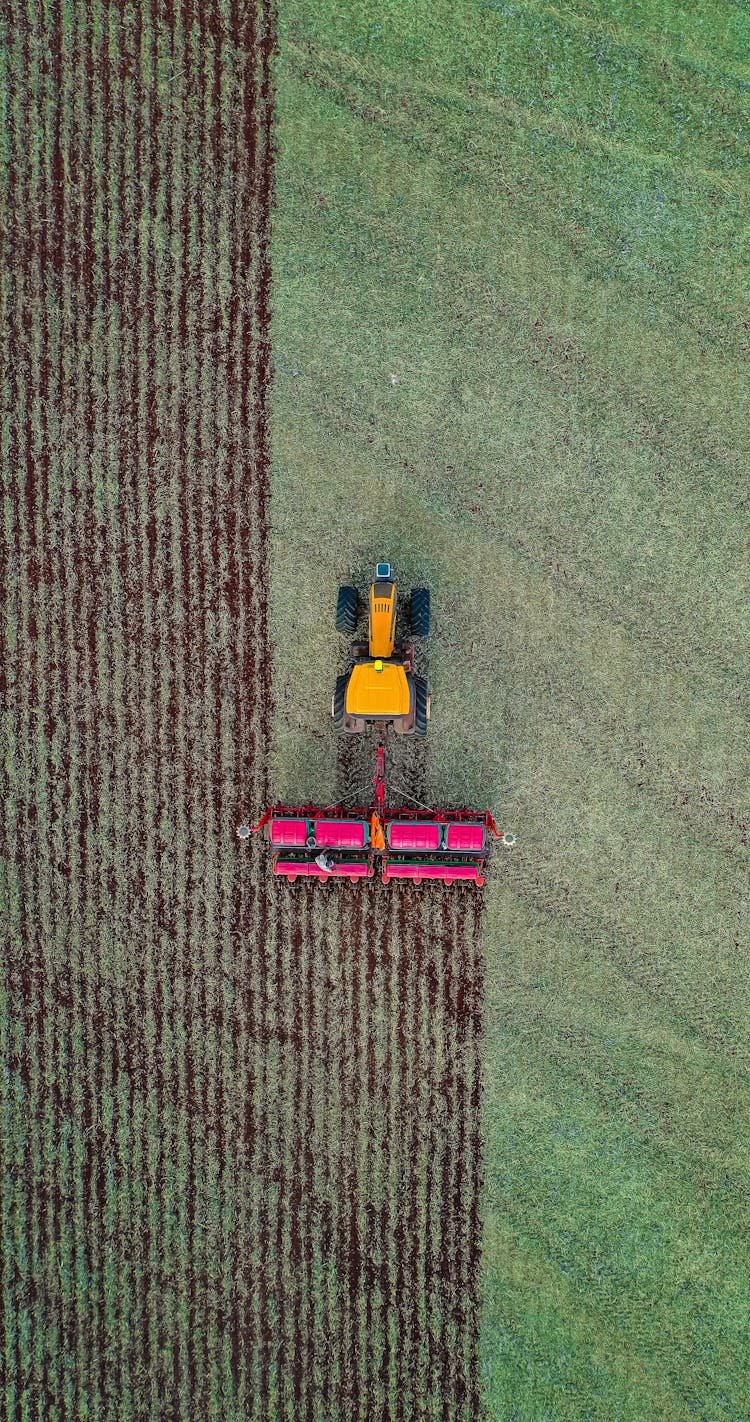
[
  {"x": 347, "y": 608},
  {"x": 422, "y": 708},
  {"x": 338, "y": 704},
  {"x": 419, "y": 612}
]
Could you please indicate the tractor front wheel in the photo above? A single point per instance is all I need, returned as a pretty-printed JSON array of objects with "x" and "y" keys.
[
  {"x": 338, "y": 703},
  {"x": 422, "y": 708},
  {"x": 347, "y": 608},
  {"x": 419, "y": 612}
]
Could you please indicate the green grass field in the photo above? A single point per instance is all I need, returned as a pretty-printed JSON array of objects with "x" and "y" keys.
[{"x": 511, "y": 344}]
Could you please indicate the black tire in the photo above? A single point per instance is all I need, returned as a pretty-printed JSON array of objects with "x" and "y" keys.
[
  {"x": 339, "y": 702},
  {"x": 420, "y": 709},
  {"x": 419, "y": 612},
  {"x": 347, "y": 609}
]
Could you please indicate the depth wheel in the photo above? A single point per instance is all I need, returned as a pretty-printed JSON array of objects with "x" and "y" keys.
[
  {"x": 419, "y": 612},
  {"x": 338, "y": 702},
  {"x": 347, "y": 609},
  {"x": 422, "y": 708}
]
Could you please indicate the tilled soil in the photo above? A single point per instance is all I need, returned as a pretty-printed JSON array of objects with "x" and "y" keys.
[{"x": 241, "y": 1150}]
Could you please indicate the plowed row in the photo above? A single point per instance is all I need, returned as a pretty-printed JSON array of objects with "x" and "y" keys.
[{"x": 240, "y": 1123}]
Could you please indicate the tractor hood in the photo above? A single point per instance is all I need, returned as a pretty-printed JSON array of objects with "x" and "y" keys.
[{"x": 378, "y": 693}]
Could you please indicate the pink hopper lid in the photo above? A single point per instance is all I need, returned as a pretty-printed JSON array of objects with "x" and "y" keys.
[
  {"x": 465, "y": 837},
  {"x": 422, "y": 836},
  {"x": 446, "y": 872},
  {"x": 308, "y": 869},
  {"x": 288, "y": 831},
  {"x": 343, "y": 834}
]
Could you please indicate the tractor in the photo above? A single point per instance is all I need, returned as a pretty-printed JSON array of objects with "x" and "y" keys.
[
  {"x": 382, "y": 689},
  {"x": 340, "y": 844}
]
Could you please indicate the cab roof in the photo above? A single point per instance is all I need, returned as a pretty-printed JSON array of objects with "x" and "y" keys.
[{"x": 378, "y": 693}]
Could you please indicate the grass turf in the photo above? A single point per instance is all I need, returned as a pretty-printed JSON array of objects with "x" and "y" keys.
[{"x": 511, "y": 345}]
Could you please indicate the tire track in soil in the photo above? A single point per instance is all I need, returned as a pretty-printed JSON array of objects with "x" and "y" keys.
[{"x": 355, "y": 767}]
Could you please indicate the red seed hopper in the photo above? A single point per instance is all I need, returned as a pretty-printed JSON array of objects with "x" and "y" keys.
[{"x": 448, "y": 847}]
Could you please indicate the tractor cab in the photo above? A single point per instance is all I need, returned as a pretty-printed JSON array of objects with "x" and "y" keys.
[{"x": 378, "y": 689}]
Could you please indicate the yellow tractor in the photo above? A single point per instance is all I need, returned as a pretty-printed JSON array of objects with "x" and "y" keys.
[{"x": 382, "y": 688}]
